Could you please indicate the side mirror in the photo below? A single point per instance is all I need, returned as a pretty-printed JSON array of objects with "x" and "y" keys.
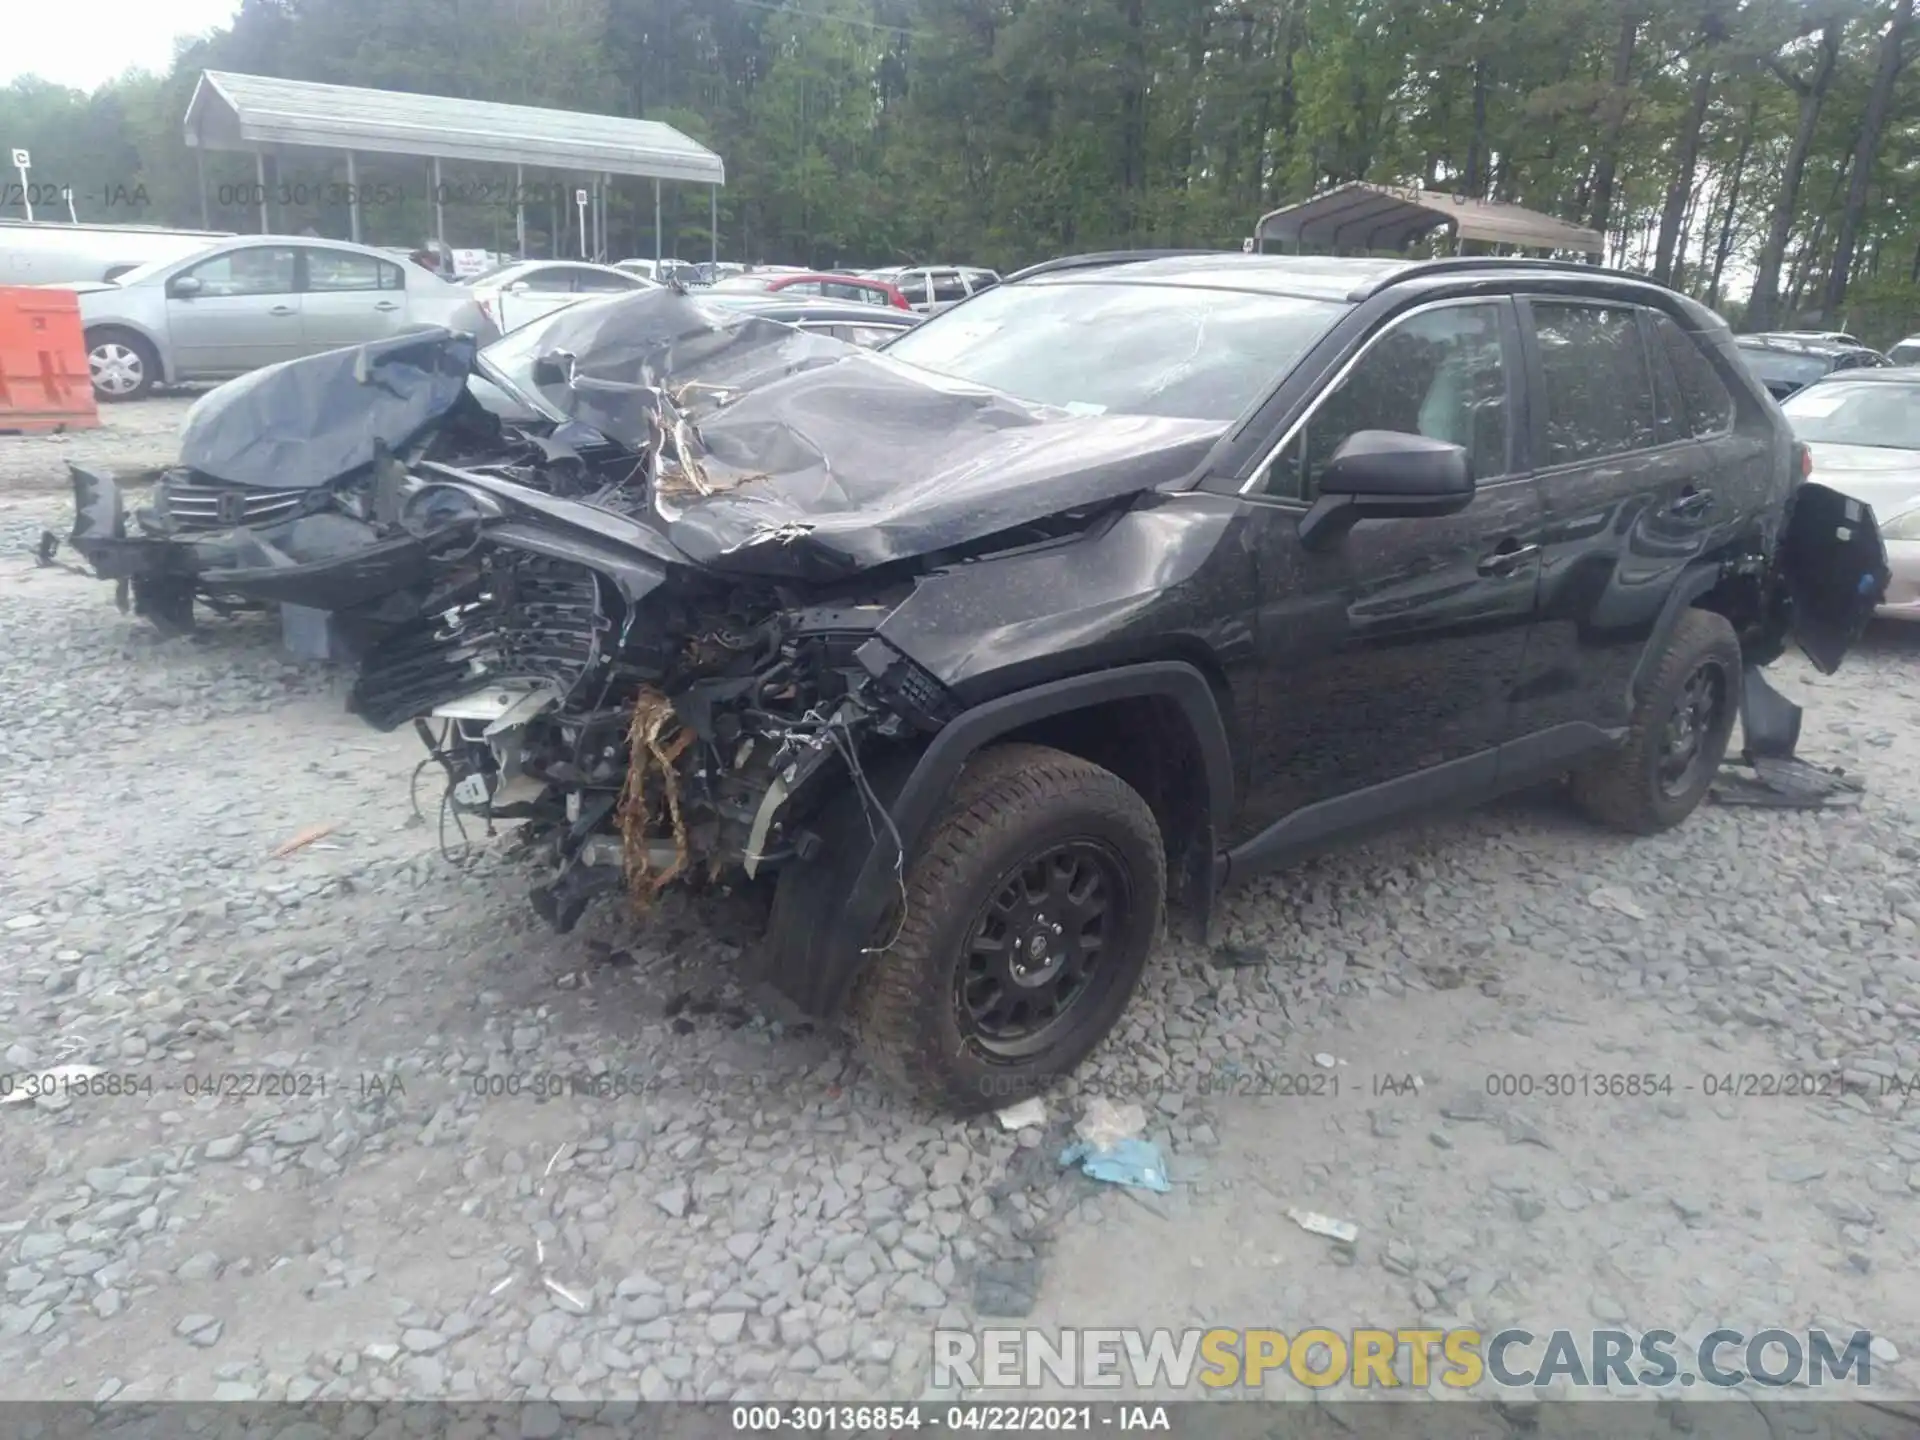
[
  {"x": 518, "y": 286},
  {"x": 184, "y": 287},
  {"x": 1387, "y": 475}
]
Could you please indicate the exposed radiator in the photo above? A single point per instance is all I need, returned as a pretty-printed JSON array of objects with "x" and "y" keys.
[{"x": 533, "y": 618}]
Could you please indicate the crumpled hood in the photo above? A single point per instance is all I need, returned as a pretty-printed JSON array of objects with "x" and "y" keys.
[
  {"x": 306, "y": 422},
  {"x": 786, "y": 453}
]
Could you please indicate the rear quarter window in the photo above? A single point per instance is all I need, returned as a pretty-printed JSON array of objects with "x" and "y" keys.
[{"x": 1703, "y": 405}]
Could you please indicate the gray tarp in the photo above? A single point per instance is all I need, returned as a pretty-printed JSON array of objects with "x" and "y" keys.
[{"x": 307, "y": 422}]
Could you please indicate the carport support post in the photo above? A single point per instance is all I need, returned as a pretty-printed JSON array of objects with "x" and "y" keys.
[
  {"x": 260, "y": 179},
  {"x": 713, "y": 226},
  {"x": 353, "y": 200},
  {"x": 200, "y": 170},
  {"x": 606, "y": 244},
  {"x": 520, "y": 211},
  {"x": 439, "y": 208},
  {"x": 658, "y": 251}
]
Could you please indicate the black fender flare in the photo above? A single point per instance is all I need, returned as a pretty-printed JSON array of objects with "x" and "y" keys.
[
  {"x": 826, "y": 911},
  {"x": 1695, "y": 581}
]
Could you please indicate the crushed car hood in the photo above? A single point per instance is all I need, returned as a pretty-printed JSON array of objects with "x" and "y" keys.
[
  {"x": 783, "y": 453},
  {"x": 306, "y": 422}
]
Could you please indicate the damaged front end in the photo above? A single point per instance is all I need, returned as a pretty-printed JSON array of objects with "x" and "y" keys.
[
  {"x": 646, "y": 723},
  {"x": 689, "y": 678},
  {"x": 296, "y": 485}
]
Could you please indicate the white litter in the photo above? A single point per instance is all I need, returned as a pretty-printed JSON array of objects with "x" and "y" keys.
[
  {"x": 1324, "y": 1060},
  {"x": 53, "y": 1083},
  {"x": 1105, "y": 1124},
  {"x": 1031, "y": 1111},
  {"x": 567, "y": 1295},
  {"x": 1611, "y": 897},
  {"x": 1314, "y": 1223}
]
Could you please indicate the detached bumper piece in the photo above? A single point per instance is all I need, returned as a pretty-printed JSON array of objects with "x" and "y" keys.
[
  {"x": 227, "y": 543},
  {"x": 1835, "y": 567}
]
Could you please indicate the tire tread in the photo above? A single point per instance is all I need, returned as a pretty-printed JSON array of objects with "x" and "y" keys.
[{"x": 891, "y": 1012}]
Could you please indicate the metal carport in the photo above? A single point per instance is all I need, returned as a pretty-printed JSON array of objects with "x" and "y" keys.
[
  {"x": 1361, "y": 216},
  {"x": 263, "y": 115}
]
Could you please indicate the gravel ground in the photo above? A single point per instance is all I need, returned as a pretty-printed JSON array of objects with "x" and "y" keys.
[
  {"x": 132, "y": 436},
  {"x": 323, "y": 1184}
]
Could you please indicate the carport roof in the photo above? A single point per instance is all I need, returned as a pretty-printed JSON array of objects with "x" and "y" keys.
[
  {"x": 1386, "y": 217},
  {"x": 251, "y": 112}
]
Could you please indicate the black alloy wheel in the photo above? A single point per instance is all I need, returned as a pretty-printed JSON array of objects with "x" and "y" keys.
[
  {"x": 1694, "y": 720},
  {"x": 1035, "y": 949}
]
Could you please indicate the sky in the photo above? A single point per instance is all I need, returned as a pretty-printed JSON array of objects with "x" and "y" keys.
[{"x": 89, "y": 43}]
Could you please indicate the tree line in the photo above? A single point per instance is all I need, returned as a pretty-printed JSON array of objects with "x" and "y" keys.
[{"x": 1759, "y": 153}]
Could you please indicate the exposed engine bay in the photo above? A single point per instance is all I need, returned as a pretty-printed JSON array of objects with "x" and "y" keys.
[{"x": 643, "y": 742}]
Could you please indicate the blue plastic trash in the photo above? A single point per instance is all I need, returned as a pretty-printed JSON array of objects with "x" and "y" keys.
[{"x": 1128, "y": 1162}]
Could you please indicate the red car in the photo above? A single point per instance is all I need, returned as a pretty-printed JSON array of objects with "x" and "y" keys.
[{"x": 828, "y": 287}]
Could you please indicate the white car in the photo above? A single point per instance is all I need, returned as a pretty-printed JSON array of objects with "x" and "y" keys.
[
  {"x": 1907, "y": 352},
  {"x": 1863, "y": 429},
  {"x": 660, "y": 271},
  {"x": 514, "y": 294}
]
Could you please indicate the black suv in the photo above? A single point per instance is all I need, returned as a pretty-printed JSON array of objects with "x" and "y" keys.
[
  {"x": 1786, "y": 362},
  {"x": 1119, "y": 582}
]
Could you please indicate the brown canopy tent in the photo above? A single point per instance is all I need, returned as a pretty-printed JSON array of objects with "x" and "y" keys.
[{"x": 1360, "y": 216}]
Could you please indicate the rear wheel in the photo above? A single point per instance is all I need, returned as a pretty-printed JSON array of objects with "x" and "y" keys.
[
  {"x": 1678, "y": 735},
  {"x": 1026, "y": 924},
  {"x": 121, "y": 364}
]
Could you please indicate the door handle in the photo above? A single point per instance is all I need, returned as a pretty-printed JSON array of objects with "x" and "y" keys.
[
  {"x": 1509, "y": 558},
  {"x": 281, "y": 310},
  {"x": 1692, "y": 502},
  {"x": 386, "y": 305}
]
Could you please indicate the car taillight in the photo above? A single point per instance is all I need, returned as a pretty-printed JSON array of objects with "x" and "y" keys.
[
  {"x": 486, "y": 309},
  {"x": 900, "y": 301},
  {"x": 1806, "y": 458}
]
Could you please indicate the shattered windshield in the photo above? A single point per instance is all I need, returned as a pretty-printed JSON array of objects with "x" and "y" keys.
[
  {"x": 1122, "y": 348},
  {"x": 1857, "y": 412}
]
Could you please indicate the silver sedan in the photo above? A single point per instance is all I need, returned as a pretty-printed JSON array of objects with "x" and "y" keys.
[
  {"x": 1863, "y": 428},
  {"x": 252, "y": 301}
]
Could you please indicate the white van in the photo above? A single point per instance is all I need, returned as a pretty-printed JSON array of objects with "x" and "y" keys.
[{"x": 45, "y": 252}]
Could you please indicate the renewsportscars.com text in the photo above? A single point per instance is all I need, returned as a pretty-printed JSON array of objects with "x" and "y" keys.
[{"x": 1368, "y": 1359}]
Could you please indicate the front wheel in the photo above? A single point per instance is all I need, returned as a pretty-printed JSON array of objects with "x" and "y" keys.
[
  {"x": 1678, "y": 734},
  {"x": 1025, "y": 925},
  {"x": 121, "y": 365}
]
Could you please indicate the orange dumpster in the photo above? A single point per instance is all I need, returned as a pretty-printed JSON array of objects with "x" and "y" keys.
[{"x": 44, "y": 383}]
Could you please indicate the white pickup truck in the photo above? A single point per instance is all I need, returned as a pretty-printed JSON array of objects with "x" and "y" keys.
[{"x": 45, "y": 252}]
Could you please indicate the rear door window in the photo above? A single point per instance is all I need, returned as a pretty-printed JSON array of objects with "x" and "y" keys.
[
  {"x": 1705, "y": 406},
  {"x": 948, "y": 286},
  {"x": 345, "y": 270},
  {"x": 1597, "y": 385}
]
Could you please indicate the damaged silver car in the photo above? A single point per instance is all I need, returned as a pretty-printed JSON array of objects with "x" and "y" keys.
[{"x": 1124, "y": 581}]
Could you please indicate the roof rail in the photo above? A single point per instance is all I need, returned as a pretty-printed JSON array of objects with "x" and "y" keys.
[
  {"x": 1467, "y": 264},
  {"x": 1104, "y": 257}
]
